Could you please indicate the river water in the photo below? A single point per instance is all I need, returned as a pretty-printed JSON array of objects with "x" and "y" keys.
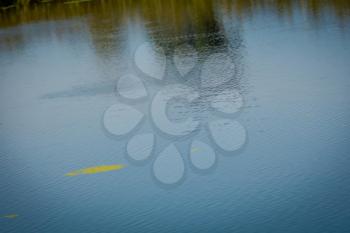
[{"x": 262, "y": 87}]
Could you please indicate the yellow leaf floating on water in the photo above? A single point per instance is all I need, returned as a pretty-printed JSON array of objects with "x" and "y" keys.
[
  {"x": 98, "y": 169},
  {"x": 194, "y": 150},
  {"x": 11, "y": 216}
]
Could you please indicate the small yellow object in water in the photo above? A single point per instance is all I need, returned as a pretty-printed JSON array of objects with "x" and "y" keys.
[
  {"x": 194, "y": 150},
  {"x": 98, "y": 169},
  {"x": 11, "y": 216}
]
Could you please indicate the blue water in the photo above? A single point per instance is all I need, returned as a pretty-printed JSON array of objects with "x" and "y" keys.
[{"x": 58, "y": 78}]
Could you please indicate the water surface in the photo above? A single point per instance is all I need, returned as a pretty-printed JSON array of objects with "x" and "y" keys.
[{"x": 59, "y": 67}]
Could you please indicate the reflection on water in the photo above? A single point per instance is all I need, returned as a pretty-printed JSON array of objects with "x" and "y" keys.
[
  {"x": 179, "y": 104},
  {"x": 172, "y": 88},
  {"x": 177, "y": 15},
  {"x": 174, "y": 17}
]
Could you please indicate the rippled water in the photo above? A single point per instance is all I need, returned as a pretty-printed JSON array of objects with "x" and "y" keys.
[{"x": 259, "y": 89}]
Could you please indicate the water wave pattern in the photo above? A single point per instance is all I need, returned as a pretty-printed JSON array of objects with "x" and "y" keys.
[{"x": 172, "y": 112}]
